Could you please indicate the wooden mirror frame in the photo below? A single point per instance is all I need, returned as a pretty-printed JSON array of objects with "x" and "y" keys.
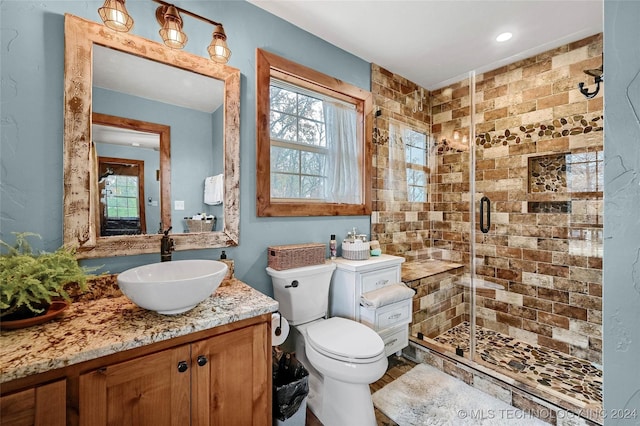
[{"x": 80, "y": 229}]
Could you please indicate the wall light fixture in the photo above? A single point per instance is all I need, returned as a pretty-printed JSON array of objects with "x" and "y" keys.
[{"x": 115, "y": 16}]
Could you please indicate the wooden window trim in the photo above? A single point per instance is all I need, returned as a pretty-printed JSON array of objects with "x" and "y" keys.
[{"x": 269, "y": 65}]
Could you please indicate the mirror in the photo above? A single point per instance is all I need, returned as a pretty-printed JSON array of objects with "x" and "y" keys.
[
  {"x": 133, "y": 186},
  {"x": 86, "y": 40}
]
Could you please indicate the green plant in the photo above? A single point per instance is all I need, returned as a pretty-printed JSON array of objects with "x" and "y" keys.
[{"x": 29, "y": 279}]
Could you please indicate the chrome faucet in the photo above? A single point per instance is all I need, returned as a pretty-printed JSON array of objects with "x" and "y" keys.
[{"x": 167, "y": 246}]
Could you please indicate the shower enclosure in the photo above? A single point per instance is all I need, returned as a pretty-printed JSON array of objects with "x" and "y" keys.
[
  {"x": 509, "y": 279},
  {"x": 521, "y": 204}
]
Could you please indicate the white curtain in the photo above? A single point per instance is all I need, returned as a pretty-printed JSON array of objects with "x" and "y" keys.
[{"x": 344, "y": 181}]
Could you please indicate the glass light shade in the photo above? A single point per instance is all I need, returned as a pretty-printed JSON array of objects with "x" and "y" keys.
[
  {"x": 115, "y": 16},
  {"x": 218, "y": 49},
  {"x": 171, "y": 31}
]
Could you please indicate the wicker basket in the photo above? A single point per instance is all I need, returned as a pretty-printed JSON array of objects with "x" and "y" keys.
[
  {"x": 196, "y": 225},
  {"x": 296, "y": 255},
  {"x": 355, "y": 251}
]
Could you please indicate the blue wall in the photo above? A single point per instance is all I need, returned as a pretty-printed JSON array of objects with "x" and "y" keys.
[
  {"x": 32, "y": 43},
  {"x": 621, "y": 268}
]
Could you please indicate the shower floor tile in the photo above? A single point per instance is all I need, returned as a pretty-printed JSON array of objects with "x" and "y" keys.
[{"x": 549, "y": 368}]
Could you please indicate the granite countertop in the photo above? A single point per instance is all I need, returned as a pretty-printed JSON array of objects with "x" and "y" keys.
[{"x": 104, "y": 326}]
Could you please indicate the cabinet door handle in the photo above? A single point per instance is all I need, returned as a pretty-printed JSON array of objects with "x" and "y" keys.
[
  {"x": 183, "y": 366},
  {"x": 394, "y": 316},
  {"x": 391, "y": 342},
  {"x": 202, "y": 360}
]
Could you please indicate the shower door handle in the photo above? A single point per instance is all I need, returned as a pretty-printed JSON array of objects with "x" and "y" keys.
[{"x": 485, "y": 227}]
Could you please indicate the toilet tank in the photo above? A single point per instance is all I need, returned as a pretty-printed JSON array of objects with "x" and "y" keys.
[{"x": 308, "y": 299}]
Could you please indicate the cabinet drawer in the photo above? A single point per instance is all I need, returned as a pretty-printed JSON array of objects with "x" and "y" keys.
[
  {"x": 375, "y": 279},
  {"x": 387, "y": 316},
  {"x": 395, "y": 338}
]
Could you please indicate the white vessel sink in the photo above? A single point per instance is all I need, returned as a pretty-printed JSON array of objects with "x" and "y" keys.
[{"x": 172, "y": 287}]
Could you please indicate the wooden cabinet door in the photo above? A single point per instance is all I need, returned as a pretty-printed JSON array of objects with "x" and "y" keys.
[
  {"x": 150, "y": 390},
  {"x": 43, "y": 405},
  {"x": 233, "y": 387}
]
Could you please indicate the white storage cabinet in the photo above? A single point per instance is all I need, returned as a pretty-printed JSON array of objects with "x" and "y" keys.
[{"x": 352, "y": 278}]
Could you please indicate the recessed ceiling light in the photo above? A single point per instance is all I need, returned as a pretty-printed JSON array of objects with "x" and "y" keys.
[{"x": 504, "y": 37}]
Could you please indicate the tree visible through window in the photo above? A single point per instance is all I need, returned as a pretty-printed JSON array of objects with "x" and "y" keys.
[
  {"x": 408, "y": 162},
  {"x": 298, "y": 144},
  {"x": 415, "y": 149}
]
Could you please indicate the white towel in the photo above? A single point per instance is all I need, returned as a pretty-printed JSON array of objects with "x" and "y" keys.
[
  {"x": 213, "y": 190},
  {"x": 386, "y": 295}
]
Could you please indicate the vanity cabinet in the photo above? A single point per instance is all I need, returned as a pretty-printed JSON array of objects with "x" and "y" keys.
[
  {"x": 42, "y": 405},
  {"x": 221, "y": 380},
  {"x": 352, "y": 278},
  {"x": 215, "y": 376}
]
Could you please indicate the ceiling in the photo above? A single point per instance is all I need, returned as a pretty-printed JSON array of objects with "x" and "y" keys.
[
  {"x": 137, "y": 76},
  {"x": 437, "y": 42}
]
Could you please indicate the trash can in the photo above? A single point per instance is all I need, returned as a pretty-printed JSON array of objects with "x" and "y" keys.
[{"x": 290, "y": 389}]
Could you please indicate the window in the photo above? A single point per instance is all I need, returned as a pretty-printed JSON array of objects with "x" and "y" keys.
[
  {"x": 585, "y": 171},
  {"x": 416, "y": 163},
  {"x": 121, "y": 197},
  {"x": 313, "y": 156},
  {"x": 298, "y": 144},
  {"x": 408, "y": 157}
]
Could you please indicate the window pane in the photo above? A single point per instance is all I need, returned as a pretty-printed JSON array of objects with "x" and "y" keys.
[
  {"x": 312, "y": 187},
  {"x": 417, "y": 139},
  {"x": 312, "y": 133},
  {"x": 284, "y": 186},
  {"x": 416, "y": 177},
  {"x": 312, "y": 163},
  {"x": 285, "y": 160},
  {"x": 283, "y": 100},
  {"x": 309, "y": 107},
  {"x": 584, "y": 172},
  {"x": 417, "y": 195},
  {"x": 283, "y": 126},
  {"x": 415, "y": 155}
]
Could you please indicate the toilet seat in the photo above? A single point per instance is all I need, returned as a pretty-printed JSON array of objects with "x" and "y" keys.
[{"x": 345, "y": 340}]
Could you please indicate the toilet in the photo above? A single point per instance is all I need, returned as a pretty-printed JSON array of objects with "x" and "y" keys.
[{"x": 343, "y": 356}]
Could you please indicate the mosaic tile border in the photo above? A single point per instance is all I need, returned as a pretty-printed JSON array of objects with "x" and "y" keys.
[{"x": 551, "y": 129}]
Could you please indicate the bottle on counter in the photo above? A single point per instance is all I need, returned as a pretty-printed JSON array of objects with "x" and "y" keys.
[{"x": 333, "y": 247}]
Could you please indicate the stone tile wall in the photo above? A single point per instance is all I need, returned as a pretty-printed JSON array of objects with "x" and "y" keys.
[{"x": 401, "y": 227}]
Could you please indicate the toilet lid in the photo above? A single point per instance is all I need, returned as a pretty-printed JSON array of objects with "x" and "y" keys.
[{"x": 344, "y": 338}]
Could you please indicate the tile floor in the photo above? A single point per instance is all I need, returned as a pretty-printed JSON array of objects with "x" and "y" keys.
[{"x": 543, "y": 367}]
